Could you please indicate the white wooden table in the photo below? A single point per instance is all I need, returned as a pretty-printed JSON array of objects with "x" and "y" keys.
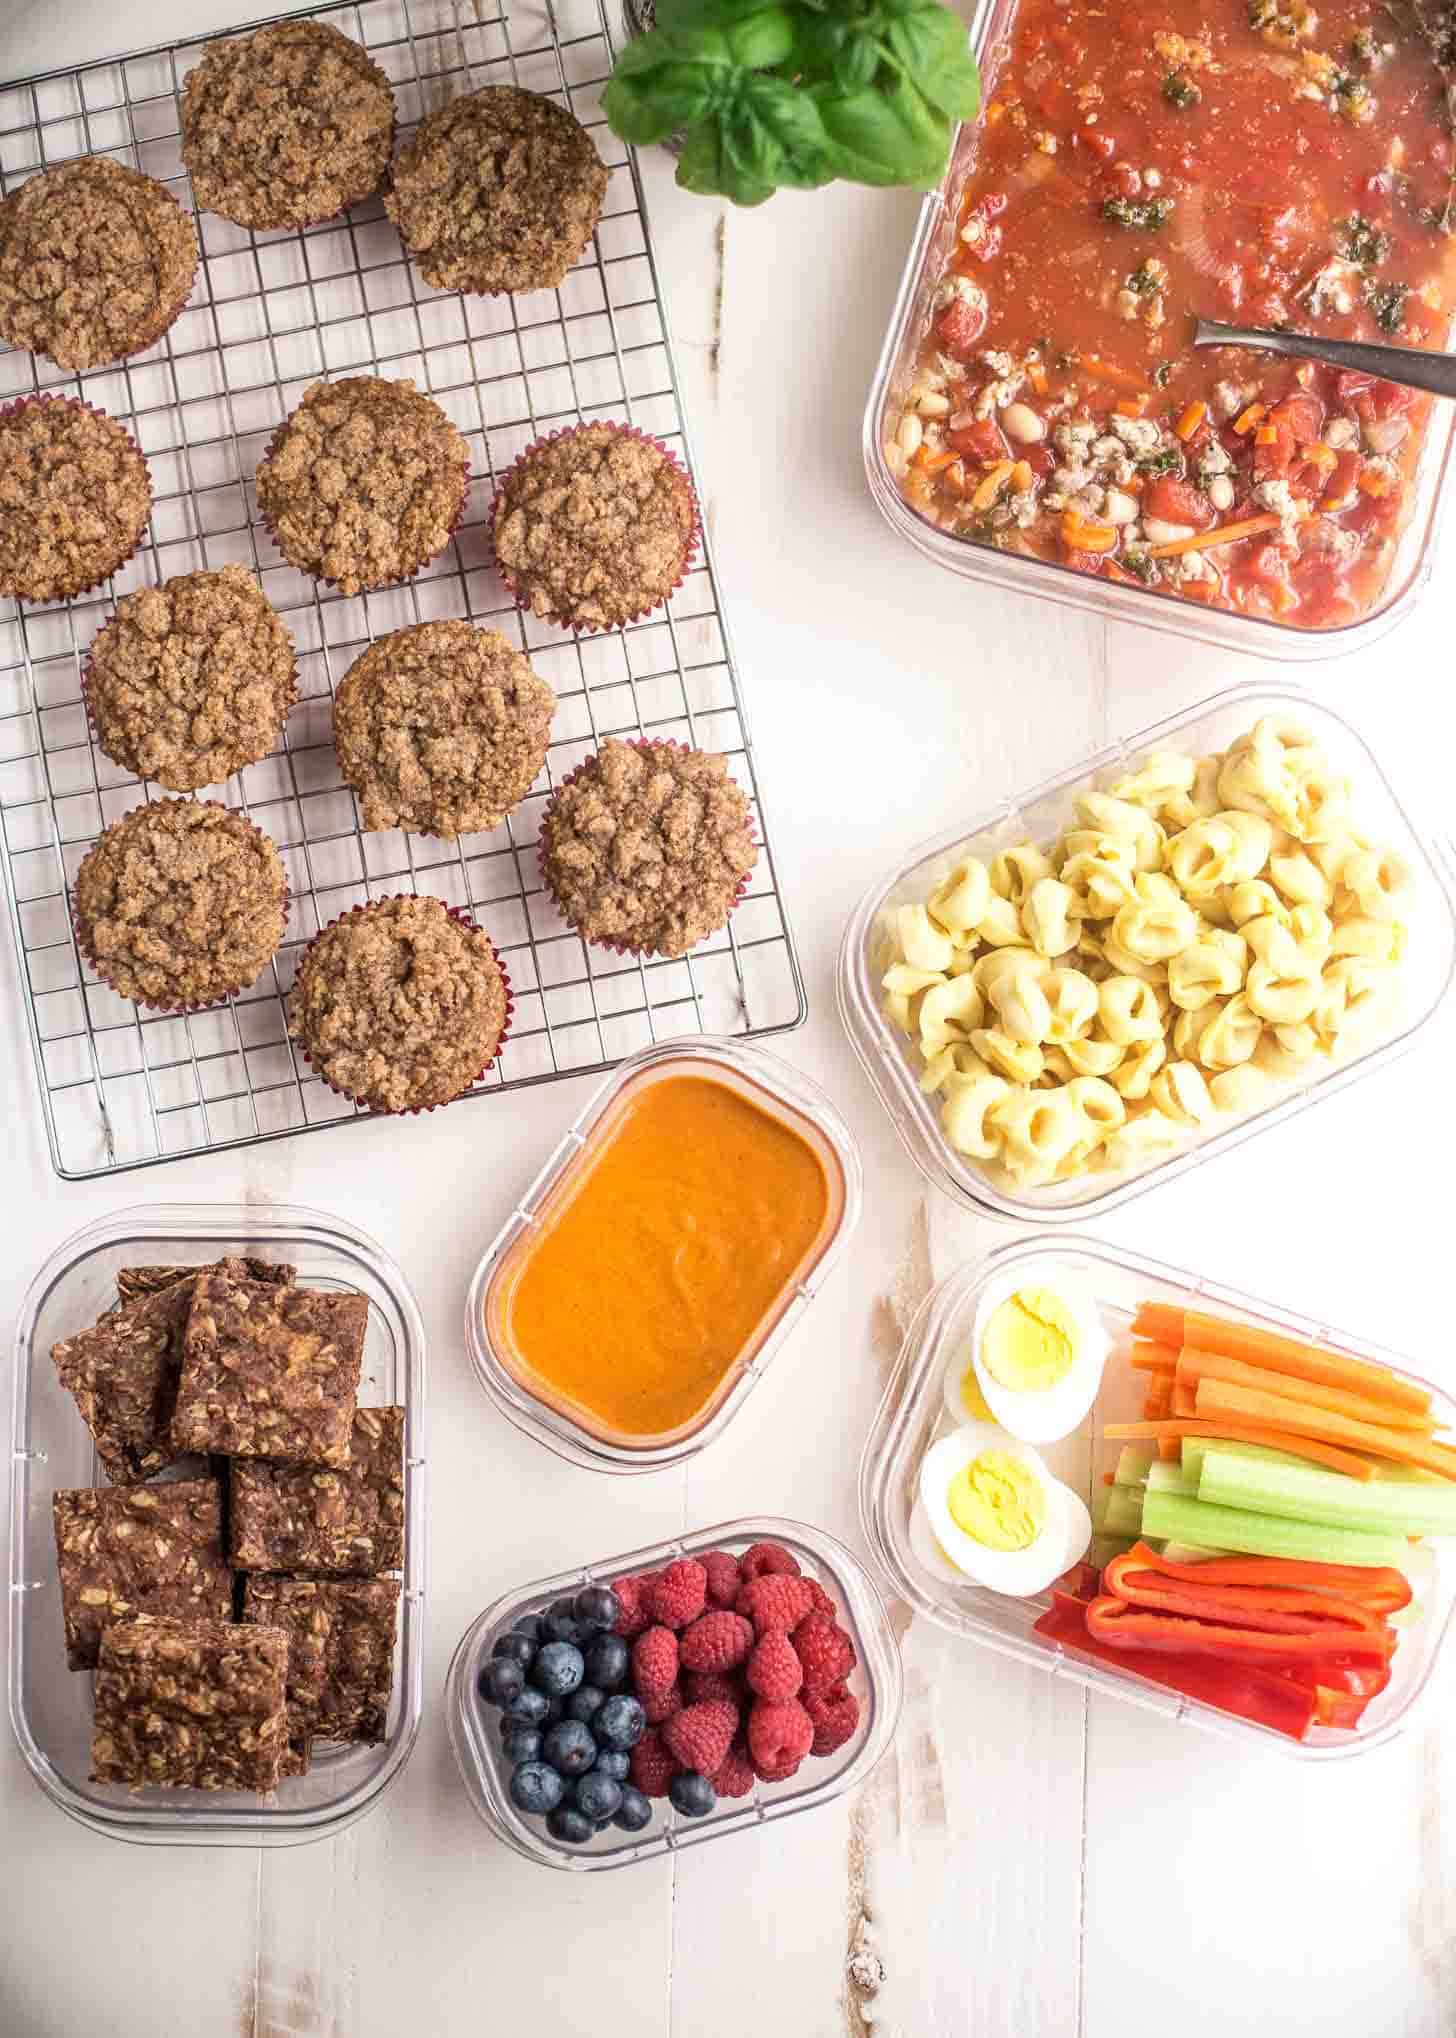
[{"x": 1028, "y": 1863}]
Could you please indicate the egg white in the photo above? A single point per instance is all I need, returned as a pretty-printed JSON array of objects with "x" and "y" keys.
[
  {"x": 1047, "y": 1414},
  {"x": 1066, "y": 1528},
  {"x": 957, "y": 1366}
]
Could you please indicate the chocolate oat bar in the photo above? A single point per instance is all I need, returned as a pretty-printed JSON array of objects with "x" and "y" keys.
[
  {"x": 316, "y": 1518},
  {"x": 125, "y": 1550},
  {"x": 341, "y": 1651},
  {"x": 123, "y": 1373},
  {"x": 199, "y": 1702},
  {"x": 134, "y": 1281},
  {"x": 269, "y": 1371}
]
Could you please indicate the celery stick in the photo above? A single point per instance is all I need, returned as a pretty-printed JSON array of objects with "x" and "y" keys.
[
  {"x": 1169, "y": 1478},
  {"x": 1104, "y": 1548},
  {"x": 1190, "y": 1553},
  {"x": 1133, "y": 1462},
  {"x": 1175, "y": 1516},
  {"x": 1194, "y": 1448},
  {"x": 1333, "y": 1499},
  {"x": 1120, "y": 1512}
]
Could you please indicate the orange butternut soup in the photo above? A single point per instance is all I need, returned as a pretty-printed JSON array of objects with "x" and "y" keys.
[{"x": 664, "y": 1256}]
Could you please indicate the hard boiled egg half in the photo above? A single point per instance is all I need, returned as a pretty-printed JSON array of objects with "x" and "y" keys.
[
  {"x": 996, "y": 1513},
  {"x": 1037, "y": 1352}
]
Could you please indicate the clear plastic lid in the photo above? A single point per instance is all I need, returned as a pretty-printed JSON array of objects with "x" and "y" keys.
[
  {"x": 1041, "y": 813},
  {"x": 51, "y": 1706},
  {"x": 913, "y": 1414},
  {"x": 876, "y": 1681},
  {"x": 774, "y": 1087}
]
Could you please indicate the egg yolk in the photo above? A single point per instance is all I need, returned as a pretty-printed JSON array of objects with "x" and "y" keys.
[
  {"x": 1030, "y": 1342},
  {"x": 997, "y": 1501},
  {"x": 972, "y": 1400}
]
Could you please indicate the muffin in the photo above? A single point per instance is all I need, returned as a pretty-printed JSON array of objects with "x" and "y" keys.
[
  {"x": 364, "y": 483},
  {"x": 191, "y": 680},
  {"x": 180, "y": 904},
  {"x": 96, "y": 261},
  {"x": 647, "y": 847},
  {"x": 287, "y": 126},
  {"x": 595, "y": 526},
  {"x": 75, "y": 496},
  {"x": 496, "y": 192},
  {"x": 400, "y": 1005},
  {"x": 441, "y": 729}
]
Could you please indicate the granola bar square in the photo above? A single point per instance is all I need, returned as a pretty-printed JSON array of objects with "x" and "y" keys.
[
  {"x": 134, "y": 1281},
  {"x": 125, "y": 1550},
  {"x": 341, "y": 1651},
  {"x": 317, "y": 1518},
  {"x": 123, "y": 1375},
  {"x": 190, "y": 1702},
  {"x": 269, "y": 1371}
]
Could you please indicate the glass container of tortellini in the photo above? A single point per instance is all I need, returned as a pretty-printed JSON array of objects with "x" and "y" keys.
[{"x": 1192, "y": 935}]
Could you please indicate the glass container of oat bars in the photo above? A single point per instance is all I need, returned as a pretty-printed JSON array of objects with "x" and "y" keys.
[
  {"x": 1039, "y": 814},
  {"x": 51, "y": 1706},
  {"x": 876, "y": 1681}
]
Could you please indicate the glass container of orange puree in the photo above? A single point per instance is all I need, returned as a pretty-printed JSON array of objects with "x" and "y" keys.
[{"x": 656, "y": 1264}]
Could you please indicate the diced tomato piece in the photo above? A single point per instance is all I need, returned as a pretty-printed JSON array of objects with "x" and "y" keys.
[
  {"x": 1275, "y": 456},
  {"x": 1304, "y": 414},
  {"x": 981, "y": 440},
  {"x": 961, "y": 325},
  {"x": 1040, "y": 459},
  {"x": 1392, "y": 400},
  {"x": 1083, "y": 562},
  {"x": 1121, "y": 181},
  {"x": 1055, "y": 101},
  {"x": 1266, "y": 565},
  {"x": 1343, "y": 476},
  {"x": 1097, "y": 142},
  {"x": 1178, "y": 502}
]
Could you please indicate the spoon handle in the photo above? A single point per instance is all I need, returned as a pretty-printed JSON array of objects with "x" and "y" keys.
[{"x": 1414, "y": 366}]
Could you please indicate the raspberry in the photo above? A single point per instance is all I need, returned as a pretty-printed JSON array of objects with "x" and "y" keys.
[
  {"x": 676, "y": 1596},
  {"x": 716, "y": 1641},
  {"x": 634, "y": 1616},
  {"x": 724, "y": 1577},
  {"x": 654, "y": 1663},
  {"x": 822, "y": 1602},
  {"x": 652, "y": 1767},
  {"x": 780, "y": 1735},
  {"x": 774, "y": 1671},
  {"x": 699, "y": 1736},
  {"x": 780, "y": 1772},
  {"x": 735, "y": 1777},
  {"x": 835, "y": 1715},
  {"x": 661, "y": 1705},
  {"x": 772, "y": 1601},
  {"x": 761, "y": 1558},
  {"x": 824, "y": 1649}
]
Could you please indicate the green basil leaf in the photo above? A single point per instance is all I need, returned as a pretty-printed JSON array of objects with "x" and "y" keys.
[
  {"x": 706, "y": 167},
  {"x": 692, "y": 16},
  {"x": 888, "y": 136},
  {"x": 633, "y": 112},
  {"x": 763, "y": 40},
  {"x": 935, "y": 52},
  {"x": 791, "y": 120},
  {"x": 673, "y": 46}
]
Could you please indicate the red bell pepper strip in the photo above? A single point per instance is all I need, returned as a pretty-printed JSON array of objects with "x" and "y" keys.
[
  {"x": 1378, "y": 1588},
  {"x": 1122, "y": 1626},
  {"x": 1271, "y": 1609}
]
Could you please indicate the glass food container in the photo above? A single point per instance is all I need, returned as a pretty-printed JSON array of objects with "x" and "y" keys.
[
  {"x": 892, "y": 1063},
  {"x": 991, "y": 27},
  {"x": 775, "y": 1088},
  {"x": 912, "y": 1415},
  {"x": 51, "y": 1706},
  {"x": 876, "y": 1681}
]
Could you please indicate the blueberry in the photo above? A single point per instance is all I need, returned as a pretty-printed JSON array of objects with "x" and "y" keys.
[
  {"x": 520, "y": 1744},
  {"x": 620, "y": 1723},
  {"x": 529, "y": 1707},
  {"x": 597, "y": 1796},
  {"x": 536, "y": 1788},
  {"x": 529, "y": 1625},
  {"x": 596, "y": 1607},
  {"x": 501, "y": 1680},
  {"x": 562, "y": 1627},
  {"x": 692, "y": 1794},
  {"x": 566, "y": 1823},
  {"x": 569, "y": 1747},
  {"x": 514, "y": 1648},
  {"x": 555, "y": 1710},
  {"x": 613, "y": 1762},
  {"x": 558, "y": 1669},
  {"x": 606, "y": 1661},
  {"x": 583, "y": 1702},
  {"x": 634, "y": 1812}
]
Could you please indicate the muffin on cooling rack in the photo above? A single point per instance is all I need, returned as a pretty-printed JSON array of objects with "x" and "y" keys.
[
  {"x": 647, "y": 847},
  {"x": 441, "y": 728},
  {"x": 500, "y": 191},
  {"x": 364, "y": 483},
  {"x": 75, "y": 496},
  {"x": 288, "y": 126},
  {"x": 96, "y": 262},
  {"x": 191, "y": 680},
  {"x": 180, "y": 904},
  {"x": 400, "y": 1004}
]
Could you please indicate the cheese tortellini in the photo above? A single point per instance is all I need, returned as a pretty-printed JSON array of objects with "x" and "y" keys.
[{"x": 1205, "y": 928}]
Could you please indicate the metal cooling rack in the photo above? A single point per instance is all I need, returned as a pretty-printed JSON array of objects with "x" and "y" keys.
[{"x": 271, "y": 313}]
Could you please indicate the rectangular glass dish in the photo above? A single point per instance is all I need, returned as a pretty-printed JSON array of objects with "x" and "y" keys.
[
  {"x": 992, "y": 25},
  {"x": 548, "y": 1414},
  {"x": 876, "y": 1681},
  {"x": 890, "y": 1059},
  {"x": 50, "y": 1706},
  {"x": 913, "y": 1414}
]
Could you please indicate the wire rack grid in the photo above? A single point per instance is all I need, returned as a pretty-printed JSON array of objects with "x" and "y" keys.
[{"x": 270, "y": 314}]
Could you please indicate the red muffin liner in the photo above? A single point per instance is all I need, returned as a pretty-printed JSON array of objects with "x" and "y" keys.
[
  {"x": 622, "y": 947},
  {"x": 373, "y": 587},
  {"x": 374, "y": 1104},
  {"x": 78, "y": 403},
  {"x": 690, "y": 550},
  {"x": 88, "y": 953}
]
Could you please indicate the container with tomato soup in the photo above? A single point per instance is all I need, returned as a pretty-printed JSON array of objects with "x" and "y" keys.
[{"x": 636, "y": 1295}]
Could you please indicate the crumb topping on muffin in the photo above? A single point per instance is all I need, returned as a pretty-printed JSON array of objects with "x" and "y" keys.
[{"x": 74, "y": 498}]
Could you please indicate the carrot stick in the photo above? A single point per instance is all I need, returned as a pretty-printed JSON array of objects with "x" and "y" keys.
[
  {"x": 1169, "y": 1450},
  {"x": 1191, "y": 419},
  {"x": 1103, "y": 370},
  {"x": 1153, "y": 1358},
  {"x": 1183, "y": 1393},
  {"x": 1226, "y": 534},
  {"x": 1159, "y": 1401},
  {"x": 1166, "y": 1325},
  {"x": 1243, "y": 1433},
  {"x": 1219, "y": 1401},
  {"x": 1194, "y": 1366},
  {"x": 1160, "y": 1323}
]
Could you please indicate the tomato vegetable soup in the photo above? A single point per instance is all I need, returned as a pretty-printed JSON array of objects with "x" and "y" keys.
[
  {"x": 1143, "y": 162},
  {"x": 666, "y": 1254}
]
